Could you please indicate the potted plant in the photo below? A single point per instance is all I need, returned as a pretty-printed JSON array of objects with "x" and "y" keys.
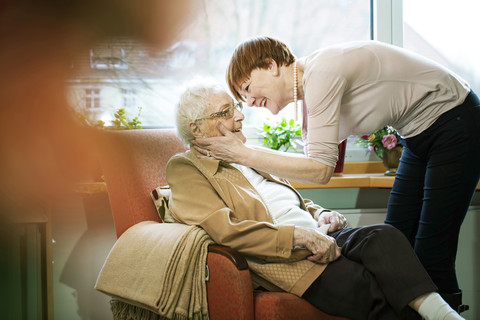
[
  {"x": 385, "y": 142},
  {"x": 121, "y": 122},
  {"x": 281, "y": 135}
]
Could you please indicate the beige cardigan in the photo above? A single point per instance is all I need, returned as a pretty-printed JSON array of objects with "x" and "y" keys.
[{"x": 217, "y": 197}]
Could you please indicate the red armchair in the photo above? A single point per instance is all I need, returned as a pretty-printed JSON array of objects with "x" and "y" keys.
[{"x": 133, "y": 164}]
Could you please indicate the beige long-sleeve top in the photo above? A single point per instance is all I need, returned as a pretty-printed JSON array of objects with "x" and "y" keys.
[{"x": 358, "y": 87}]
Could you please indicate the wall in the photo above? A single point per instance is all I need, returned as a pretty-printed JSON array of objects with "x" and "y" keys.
[{"x": 83, "y": 235}]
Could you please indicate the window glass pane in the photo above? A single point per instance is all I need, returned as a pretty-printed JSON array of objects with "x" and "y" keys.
[
  {"x": 447, "y": 32},
  {"x": 129, "y": 98},
  {"x": 92, "y": 98},
  {"x": 204, "y": 49}
]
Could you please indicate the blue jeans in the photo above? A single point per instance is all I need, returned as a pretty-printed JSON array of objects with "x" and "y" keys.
[{"x": 437, "y": 176}]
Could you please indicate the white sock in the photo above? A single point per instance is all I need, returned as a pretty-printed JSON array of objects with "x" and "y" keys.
[{"x": 435, "y": 308}]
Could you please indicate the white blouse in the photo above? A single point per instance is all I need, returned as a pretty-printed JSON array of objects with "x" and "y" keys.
[{"x": 281, "y": 201}]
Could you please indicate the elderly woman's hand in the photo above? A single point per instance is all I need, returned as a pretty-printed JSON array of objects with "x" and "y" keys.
[
  {"x": 324, "y": 248},
  {"x": 336, "y": 220},
  {"x": 227, "y": 147}
]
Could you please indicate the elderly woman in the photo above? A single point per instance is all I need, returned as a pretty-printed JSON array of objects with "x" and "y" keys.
[{"x": 292, "y": 244}]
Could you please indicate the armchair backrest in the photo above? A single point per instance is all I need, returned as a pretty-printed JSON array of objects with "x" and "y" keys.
[{"x": 133, "y": 164}]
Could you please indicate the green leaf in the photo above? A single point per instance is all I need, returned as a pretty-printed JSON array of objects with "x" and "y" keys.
[{"x": 281, "y": 134}]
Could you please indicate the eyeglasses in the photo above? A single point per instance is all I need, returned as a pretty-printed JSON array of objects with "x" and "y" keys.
[{"x": 226, "y": 113}]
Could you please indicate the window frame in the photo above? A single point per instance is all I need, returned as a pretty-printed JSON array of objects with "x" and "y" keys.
[
  {"x": 387, "y": 21},
  {"x": 93, "y": 98},
  {"x": 129, "y": 97}
]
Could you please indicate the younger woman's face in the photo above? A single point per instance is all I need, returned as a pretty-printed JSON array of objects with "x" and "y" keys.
[
  {"x": 265, "y": 88},
  {"x": 219, "y": 102}
]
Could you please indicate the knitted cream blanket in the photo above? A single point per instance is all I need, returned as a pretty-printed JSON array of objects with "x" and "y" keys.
[{"x": 159, "y": 267}]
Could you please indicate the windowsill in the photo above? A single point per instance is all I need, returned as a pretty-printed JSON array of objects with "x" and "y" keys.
[
  {"x": 351, "y": 180},
  {"x": 364, "y": 174},
  {"x": 91, "y": 188},
  {"x": 361, "y": 174}
]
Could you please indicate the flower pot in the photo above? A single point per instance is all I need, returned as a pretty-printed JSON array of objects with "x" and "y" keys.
[{"x": 391, "y": 160}]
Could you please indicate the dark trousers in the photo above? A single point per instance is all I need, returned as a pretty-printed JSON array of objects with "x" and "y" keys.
[
  {"x": 376, "y": 277},
  {"x": 437, "y": 176}
]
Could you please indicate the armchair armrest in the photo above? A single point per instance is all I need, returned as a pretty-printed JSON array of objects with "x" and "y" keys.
[
  {"x": 231, "y": 254},
  {"x": 229, "y": 288}
]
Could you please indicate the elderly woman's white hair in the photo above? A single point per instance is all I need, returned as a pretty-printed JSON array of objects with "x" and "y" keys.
[{"x": 193, "y": 104}]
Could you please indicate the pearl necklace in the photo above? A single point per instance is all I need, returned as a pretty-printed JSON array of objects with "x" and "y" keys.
[{"x": 295, "y": 85}]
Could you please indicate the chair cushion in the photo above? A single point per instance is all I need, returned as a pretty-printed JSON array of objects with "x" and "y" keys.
[
  {"x": 160, "y": 196},
  {"x": 282, "y": 305}
]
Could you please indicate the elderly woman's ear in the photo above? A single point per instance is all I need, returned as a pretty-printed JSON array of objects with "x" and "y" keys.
[{"x": 195, "y": 130}]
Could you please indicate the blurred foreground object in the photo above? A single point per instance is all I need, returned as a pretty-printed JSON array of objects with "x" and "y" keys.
[{"x": 43, "y": 149}]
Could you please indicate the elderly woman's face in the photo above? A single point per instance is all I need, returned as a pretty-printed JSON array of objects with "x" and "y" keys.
[{"x": 218, "y": 103}]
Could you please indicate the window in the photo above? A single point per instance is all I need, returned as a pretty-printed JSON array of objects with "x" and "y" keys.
[
  {"x": 92, "y": 98},
  {"x": 205, "y": 47},
  {"x": 304, "y": 25},
  {"x": 129, "y": 98},
  {"x": 447, "y": 34},
  {"x": 108, "y": 57}
]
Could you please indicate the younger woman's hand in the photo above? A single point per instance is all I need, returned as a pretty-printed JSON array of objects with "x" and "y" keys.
[
  {"x": 227, "y": 147},
  {"x": 336, "y": 220}
]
